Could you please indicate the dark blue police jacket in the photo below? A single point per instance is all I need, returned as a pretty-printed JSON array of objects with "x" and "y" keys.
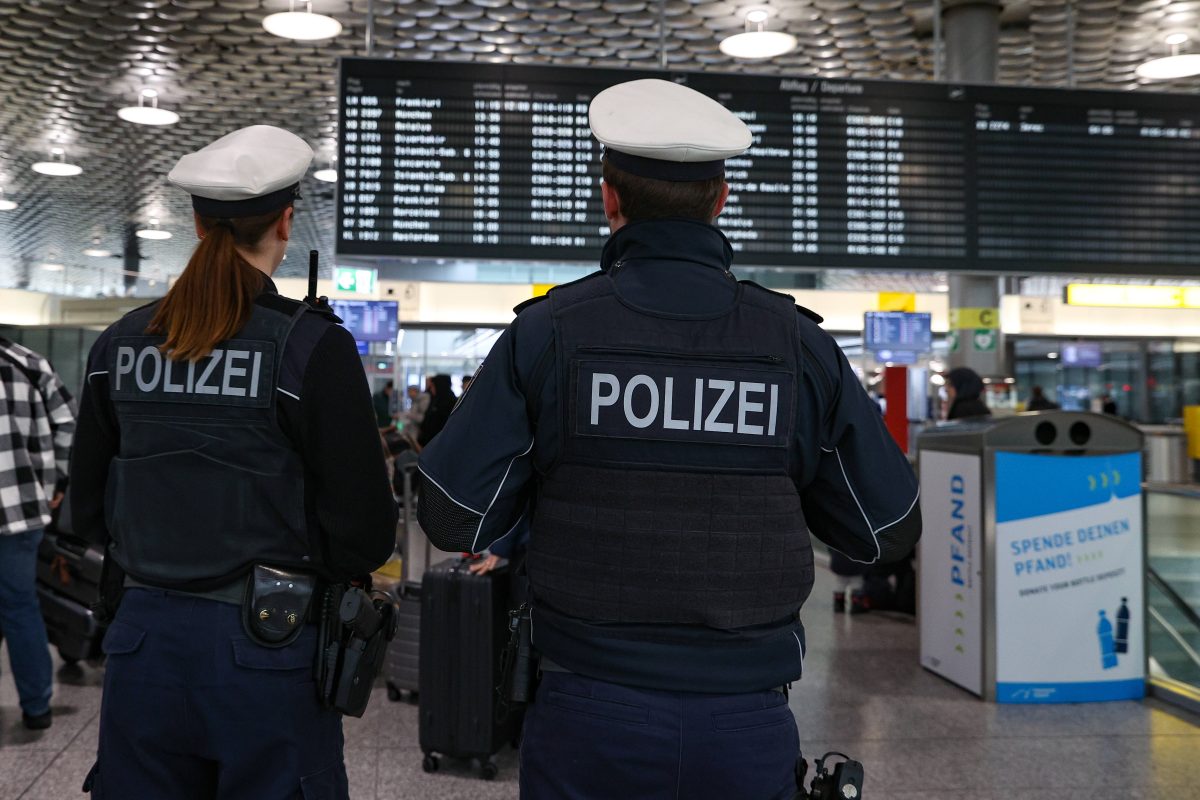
[{"x": 673, "y": 434}]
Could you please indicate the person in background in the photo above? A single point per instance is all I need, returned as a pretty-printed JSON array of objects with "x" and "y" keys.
[
  {"x": 965, "y": 389},
  {"x": 1109, "y": 406},
  {"x": 1039, "y": 402},
  {"x": 414, "y": 415},
  {"x": 466, "y": 382},
  {"x": 441, "y": 403},
  {"x": 37, "y": 421},
  {"x": 382, "y": 401},
  {"x": 849, "y": 584}
]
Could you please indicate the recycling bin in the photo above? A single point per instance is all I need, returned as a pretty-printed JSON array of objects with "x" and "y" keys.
[{"x": 1031, "y": 584}]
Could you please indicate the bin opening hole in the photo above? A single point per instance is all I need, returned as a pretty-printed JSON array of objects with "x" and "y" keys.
[
  {"x": 1046, "y": 433},
  {"x": 1081, "y": 433}
]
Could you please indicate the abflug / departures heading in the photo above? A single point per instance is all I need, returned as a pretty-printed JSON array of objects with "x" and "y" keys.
[{"x": 497, "y": 162}]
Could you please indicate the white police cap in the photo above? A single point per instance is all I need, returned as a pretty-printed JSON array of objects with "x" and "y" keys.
[
  {"x": 658, "y": 129},
  {"x": 248, "y": 172}
]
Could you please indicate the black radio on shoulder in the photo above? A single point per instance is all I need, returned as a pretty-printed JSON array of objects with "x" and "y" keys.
[{"x": 842, "y": 781}]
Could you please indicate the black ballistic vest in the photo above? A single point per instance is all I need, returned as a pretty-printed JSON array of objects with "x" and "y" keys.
[
  {"x": 672, "y": 500},
  {"x": 206, "y": 483}
]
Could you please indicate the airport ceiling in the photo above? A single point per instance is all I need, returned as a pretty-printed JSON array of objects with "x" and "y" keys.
[{"x": 67, "y": 67}]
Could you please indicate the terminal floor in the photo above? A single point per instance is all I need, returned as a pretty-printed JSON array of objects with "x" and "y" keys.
[{"x": 864, "y": 694}]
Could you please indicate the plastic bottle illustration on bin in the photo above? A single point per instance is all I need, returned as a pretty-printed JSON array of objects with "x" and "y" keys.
[
  {"x": 1108, "y": 648},
  {"x": 1122, "y": 640}
]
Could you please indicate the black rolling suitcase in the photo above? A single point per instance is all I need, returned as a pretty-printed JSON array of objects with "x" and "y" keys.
[
  {"x": 68, "y": 576},
  {"x": 464, "y": 629},
  {"x": 70, "y": 568},
  {"x": 71, "y": 627},
  {"x": 401, "y": 667}
]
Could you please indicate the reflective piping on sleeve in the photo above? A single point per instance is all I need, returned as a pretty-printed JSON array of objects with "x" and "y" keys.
[
  {"x": 903, "y": 516},
  {"x": 289, "y": 394},
  {"x": 479, "y": 530},
  {"x": 451, "y": 499},
  {"x": 801, "y": 648},
  {"x": 866, "y": 519},
  {"x": 98, "y": 372}
]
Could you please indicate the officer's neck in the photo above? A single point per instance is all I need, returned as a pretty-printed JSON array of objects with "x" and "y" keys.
[{"x": 266, "y": 263}]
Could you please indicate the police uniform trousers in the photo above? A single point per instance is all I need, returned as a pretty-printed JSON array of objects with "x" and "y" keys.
[
  {"x": 194, "y": 710},
  {"x": 586, "y": 739}
]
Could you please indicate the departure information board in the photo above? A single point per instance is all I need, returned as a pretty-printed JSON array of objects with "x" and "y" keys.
[
  {"x": 480, "y": 161},
  {"x": 898, "y": 330},
  {"x": 369, "y": 320}
]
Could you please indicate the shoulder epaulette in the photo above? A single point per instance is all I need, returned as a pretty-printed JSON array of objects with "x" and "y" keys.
[
  {"x": 801, "y": 310},
  {"x": 808, "y": 312},
  {"x": 286, "y": 305},
  {"x": 533, "y": 301}
]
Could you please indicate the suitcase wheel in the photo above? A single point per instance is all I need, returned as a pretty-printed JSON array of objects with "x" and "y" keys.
[
  {"x": 430, "y": 763},
  {"x": 394, "y": 694},
  {"x": 488, "y": 770}
]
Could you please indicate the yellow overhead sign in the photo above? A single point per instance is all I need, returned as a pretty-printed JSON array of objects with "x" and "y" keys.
[
  {"x": 540, "y": 289},
  {"x": 977, "y": 318},
  {"x": 897, "y": 301},
  {"x": 1117, "y": 295}
]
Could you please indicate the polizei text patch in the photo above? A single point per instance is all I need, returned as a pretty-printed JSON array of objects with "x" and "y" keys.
[
  {"x": 710, "y": 403},
  {"x": 238, "y": 373}
]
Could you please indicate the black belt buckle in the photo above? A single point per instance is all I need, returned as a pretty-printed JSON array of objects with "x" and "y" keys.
[{"x": 277, "y": 604}]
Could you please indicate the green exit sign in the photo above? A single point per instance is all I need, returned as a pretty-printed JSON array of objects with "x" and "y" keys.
[{"x": 354, "y": 280}]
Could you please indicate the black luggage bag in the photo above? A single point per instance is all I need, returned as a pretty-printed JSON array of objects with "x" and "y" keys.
[
  {"x": 71, "y": 627},
  {"x": 68, "y": 576},
  {"x": 70, "y": 568},
  {"x": 401, "y": 667},
  {"x": 464, "y": 629}
]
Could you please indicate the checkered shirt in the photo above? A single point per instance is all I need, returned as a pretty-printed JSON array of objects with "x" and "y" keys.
[{"x": 37, "y": 421}]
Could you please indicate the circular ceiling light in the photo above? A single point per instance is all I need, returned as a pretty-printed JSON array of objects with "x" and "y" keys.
[
  {"x": 1176, "y": 65},
  {"x": 326, "y": 175},
  {"x": 153, "y": 232},
  {"x": 303, "y": 26},
  {"x": 52, "y": 267},
  {"x": 58, "y": 165},
  {"x": 757, "y": 42},
  {"x": 143, "y": 114},
  {"x": 96, "y": 251},
  {"x": 1170, "y": 67},
  {"x": 6, "y": 205}
]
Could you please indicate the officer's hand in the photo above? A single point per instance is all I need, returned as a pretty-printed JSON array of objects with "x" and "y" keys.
[
  {"x": 56, "y": 501},
  {"x": 484, "y": 566}
]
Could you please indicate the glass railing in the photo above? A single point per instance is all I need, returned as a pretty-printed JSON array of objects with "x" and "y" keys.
[
  {"x": 1174, "y": 633},
  {"x": 1173, "y": 589}
]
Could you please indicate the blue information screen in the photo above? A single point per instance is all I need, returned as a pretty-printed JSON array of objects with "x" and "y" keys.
[
  {"x": 898, "y": 331},
  {"x": 1082, "y": 355},
  {"x": 369, "y": 320}
]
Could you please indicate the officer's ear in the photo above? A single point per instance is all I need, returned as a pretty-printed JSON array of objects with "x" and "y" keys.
[
  {"x": 720, "y": 206},
  {"x": 612, "y": 202},
  {"x": 199, "y": 228},
  {"x": 283, "y": 228}
]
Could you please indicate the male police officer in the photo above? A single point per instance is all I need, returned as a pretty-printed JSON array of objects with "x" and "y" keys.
[{"x": 674, "y": 434}]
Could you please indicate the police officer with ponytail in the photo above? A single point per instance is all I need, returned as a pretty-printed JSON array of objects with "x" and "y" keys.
[
  {"x": 226, "y": 433},
  {"x": 673, "y": 434}
]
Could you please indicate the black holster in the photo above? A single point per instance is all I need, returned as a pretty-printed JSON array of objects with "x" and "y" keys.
[
  {"x": 355, "y": 628},
  {"x": 518, "y": 671},
  {"x": 112, "y": 589}
]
